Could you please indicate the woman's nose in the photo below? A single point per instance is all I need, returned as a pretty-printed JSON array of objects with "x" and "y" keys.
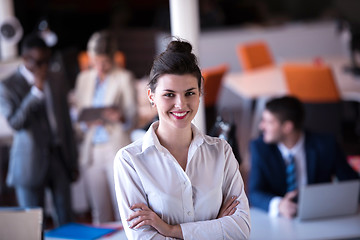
[{"x": 180, "y": 102}]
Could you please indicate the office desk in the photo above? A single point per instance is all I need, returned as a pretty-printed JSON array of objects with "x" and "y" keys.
[
  {"x": 260, "y": 85},
  {"x": 119, "y": 235},
  {"x": 265, "y": 227}
]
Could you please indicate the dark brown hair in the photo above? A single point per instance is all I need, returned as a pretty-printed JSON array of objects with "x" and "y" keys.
[
  {"x": 287, "y": 108},
  {"x": 176, "y": 59}
]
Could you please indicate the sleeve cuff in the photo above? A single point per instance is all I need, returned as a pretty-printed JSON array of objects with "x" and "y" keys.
[{"x": 274, "y": 206}]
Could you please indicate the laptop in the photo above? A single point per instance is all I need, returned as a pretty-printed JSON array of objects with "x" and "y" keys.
[{"x": 328, "y": 200}]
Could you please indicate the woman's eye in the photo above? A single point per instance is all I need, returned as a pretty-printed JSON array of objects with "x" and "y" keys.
[
  {"x": 189, "y": 93},
  {"x": 168, "y": 94}
]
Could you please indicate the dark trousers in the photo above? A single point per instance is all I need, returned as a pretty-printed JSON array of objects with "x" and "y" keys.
[{"x": 58, "y": 183}]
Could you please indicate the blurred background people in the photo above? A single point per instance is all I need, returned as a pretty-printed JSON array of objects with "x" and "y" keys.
[
  {"x": 104, "y": 85},
  {"x": 43, "y": 153},
  {"x": 286, "y": 156}
]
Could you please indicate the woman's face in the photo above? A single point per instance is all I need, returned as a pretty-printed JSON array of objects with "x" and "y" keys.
[
  {"x": 176, "y": 98},
  {"x": 103, "y": 64}
]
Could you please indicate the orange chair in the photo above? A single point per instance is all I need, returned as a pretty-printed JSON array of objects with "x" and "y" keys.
[
  {"x": 84, "y": 61},
  {"x": 315, "y": 86},
  {"x": 311, "y": 83},
  {"x": 254, "y": 55},
  {"x": 212, "y": 84}
]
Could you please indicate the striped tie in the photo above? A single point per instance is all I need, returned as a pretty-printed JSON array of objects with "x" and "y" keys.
[{"x": 291, "y": 174}]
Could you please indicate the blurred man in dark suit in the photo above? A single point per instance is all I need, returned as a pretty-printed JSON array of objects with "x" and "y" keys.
[
  {"x": 43, "y": 153},
  {"x": 285, "y": 157}
]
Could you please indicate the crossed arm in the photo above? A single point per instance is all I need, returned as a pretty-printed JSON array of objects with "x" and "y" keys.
[
  {"x": 140, "y": 221},
  {"x": 145, "y": 216}
]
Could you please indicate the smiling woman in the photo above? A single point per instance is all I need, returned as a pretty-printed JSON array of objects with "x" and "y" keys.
[
  {"x": 176, "y": 99},
  {"x": 176, "y": 182}
]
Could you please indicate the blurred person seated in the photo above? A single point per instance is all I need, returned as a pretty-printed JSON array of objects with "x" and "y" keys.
[
  {"x": 43, "y": 153},
  {"x": 286, "y": 156},
  {"x": 104, "y": 85}
]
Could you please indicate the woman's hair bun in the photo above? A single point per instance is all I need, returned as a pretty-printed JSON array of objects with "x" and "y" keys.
[
  {"x": 176, "y": 59},
  {"x": 179, "y": 46}
]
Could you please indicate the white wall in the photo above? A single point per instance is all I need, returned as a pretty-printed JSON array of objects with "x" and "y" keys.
[
  {"x": 293, "y": 40},
  {"x": 306, "y": 40}
]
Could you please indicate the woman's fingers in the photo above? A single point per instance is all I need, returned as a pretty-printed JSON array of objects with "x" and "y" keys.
[
  {"x": 140, "y": 221},
  {"x": 229, "y": 207},
  {"x": 229, "y": 202},
  {"x": 141, "y": 218},
  {"x": 142, "y": 206},
  {"x": 139, "y": 208},
  {"x": 135, "y": 215}
]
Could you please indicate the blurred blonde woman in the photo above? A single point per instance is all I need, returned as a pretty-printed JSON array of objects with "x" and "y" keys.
[{"x": 104, "y": 85}]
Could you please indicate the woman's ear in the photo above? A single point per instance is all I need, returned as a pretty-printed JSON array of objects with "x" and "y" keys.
[{"x": 150, "y": 95}]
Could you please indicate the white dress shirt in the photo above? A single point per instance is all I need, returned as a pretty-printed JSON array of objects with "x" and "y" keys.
[
  {"x": 298, "y": 151},
  {"x": 146, "y": 172},
  {"x": 30, "y": 78}
]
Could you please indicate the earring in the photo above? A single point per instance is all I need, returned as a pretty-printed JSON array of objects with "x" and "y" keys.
[{"x": 152, "y": 103}]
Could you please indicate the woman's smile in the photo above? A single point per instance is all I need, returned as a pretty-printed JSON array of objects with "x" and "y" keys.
[{"x": 180, "y": 115}]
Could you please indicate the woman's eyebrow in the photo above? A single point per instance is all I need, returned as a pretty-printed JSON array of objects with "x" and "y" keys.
[
  {"x": 190, "y": 89},
  {"x": 172, "y": 91},
  {"x": 168, "y": 90}
]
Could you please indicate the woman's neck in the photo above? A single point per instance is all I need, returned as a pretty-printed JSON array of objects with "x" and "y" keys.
[{"x": 174, "y": 138}]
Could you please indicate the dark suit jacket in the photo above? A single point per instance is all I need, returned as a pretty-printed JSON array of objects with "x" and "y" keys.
[
  {"x": 26, "y": 114},
  {"x": 324, "y": 159}
]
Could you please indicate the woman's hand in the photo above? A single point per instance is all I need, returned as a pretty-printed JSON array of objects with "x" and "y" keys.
[
  {"x": 145, "y": 216},
  {"x": 228, "y": 208},
  {"x": 95, "y": 123}
]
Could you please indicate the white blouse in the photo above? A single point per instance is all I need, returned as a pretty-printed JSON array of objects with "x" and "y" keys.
[{"x": 146, "y": 172}]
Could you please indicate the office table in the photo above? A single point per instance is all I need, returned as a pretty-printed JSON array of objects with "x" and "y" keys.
[
  {"x": 260, "y": 85},
  {"x": 265, "y": 227}
]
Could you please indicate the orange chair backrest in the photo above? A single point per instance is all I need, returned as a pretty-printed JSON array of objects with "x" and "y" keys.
[
  {"x": 253, "y": 55},
  {"x": 212, "y": 83},
  {"x": 84, "y": 61},
  {"x": 311, "y": 83}
]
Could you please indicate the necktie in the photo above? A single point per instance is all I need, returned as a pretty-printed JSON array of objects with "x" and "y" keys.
[
  {"x": 50, "y": 112},
  {"x": 291, "y": 174}
]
